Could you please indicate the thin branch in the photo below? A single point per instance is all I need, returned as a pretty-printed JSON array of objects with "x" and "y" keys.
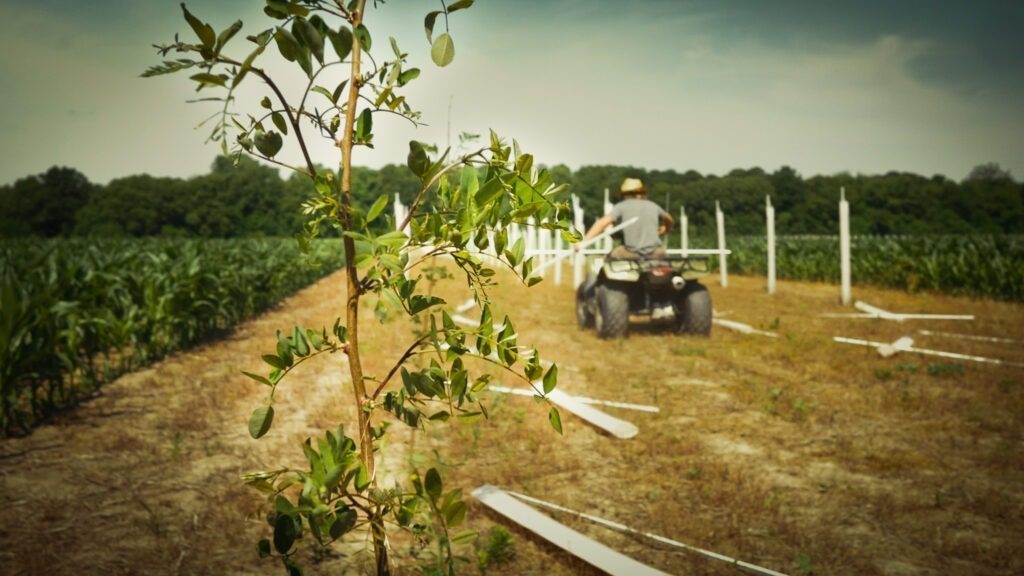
[
  {"x": 426, "y": 187},
  {"x": 291, "y": 118},
  {"x": 405, "y": 356}
]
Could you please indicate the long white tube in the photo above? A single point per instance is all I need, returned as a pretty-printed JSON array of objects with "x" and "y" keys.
[
  {"x": 844, "y": 247},
  {"x": 655, "y": 537},
  {"x": 926, "y": 352}
]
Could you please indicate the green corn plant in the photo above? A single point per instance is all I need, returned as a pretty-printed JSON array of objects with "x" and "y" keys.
[{"x": 464, "y": 201}]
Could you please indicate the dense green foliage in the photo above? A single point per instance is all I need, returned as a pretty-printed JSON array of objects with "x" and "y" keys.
[
  {"x": 984, "y": 266},
  {"x": 251, "y": 199},
  {"x": 75, "y": 313}
]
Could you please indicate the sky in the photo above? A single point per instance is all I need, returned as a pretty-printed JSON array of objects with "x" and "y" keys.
[{"x": 929, "y": 87}]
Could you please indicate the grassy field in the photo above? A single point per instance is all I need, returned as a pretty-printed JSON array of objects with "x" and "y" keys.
[{"x": 795, "y": 453}]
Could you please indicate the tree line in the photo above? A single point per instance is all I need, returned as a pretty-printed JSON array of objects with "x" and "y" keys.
[{"x": 244, "y": 198}]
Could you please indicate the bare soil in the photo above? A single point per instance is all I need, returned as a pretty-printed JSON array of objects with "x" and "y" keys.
[{"x": 796, "y": 453}]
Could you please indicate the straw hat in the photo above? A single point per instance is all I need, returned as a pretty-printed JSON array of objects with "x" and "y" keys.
[{"x": 632, "y": 186}]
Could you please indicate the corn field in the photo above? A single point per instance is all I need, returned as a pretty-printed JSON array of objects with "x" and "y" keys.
[
  {"x": 981, "y": 266},
  {"x": 76, "y": 313}
]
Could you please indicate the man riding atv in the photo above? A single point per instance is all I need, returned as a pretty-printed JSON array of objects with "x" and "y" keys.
[
  {"x": 639, "y": 278},
  {"x": 642, "y": 238}
]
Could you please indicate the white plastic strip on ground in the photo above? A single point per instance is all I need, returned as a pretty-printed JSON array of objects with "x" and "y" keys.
[
  {"x": 583, "y": 399},
  {"x": 926, "y": 352},
  {"x": 741, "y": 327},
  {"x": 967, "y": 337},
  {"x": 466, "y": 306},
  {"x": 655, "y": 537},
  {"x": 614, "y": 426},
  {"x": 587, "y": 549},
  {"x": 886, "y": 315}
]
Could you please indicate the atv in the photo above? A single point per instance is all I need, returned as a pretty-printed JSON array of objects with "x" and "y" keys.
[{"x": 664, "y": 288}]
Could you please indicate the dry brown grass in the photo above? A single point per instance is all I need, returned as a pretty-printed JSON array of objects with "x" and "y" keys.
[{"x": 788, "y": 453}]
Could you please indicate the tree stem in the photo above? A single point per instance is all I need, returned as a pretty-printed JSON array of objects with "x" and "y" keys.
[{"x": 380, "y": 544}]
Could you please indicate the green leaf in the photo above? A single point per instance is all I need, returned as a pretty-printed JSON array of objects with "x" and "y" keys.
[
  {"x": 362, "y": 478},
  {"x": 459, "y": 5},
  {"x": 443, "y": 50},
  {"x": 491, "y": 189},
  {"x": 433, "y": 483},
  {"x": 260, "y": 421},
  {"x": 287, "y": 45},
  {"x": 206, "y": 78},
  {"x": 258, "y": 378},
  {"x": 301, "y": 346},
  {"x": 274, "y": 361},
  {"x": 363, "y": 36},
  {"x": 551, "y": 379},
  {"x": 555, "y": 419},
  {"x": 279, "y": 122},
  {"x": 455, "y": 513},
  {"x": 325, "y": 92},
  {"x": 364, "y": 125},
  {"x": 227, "y": 34},
  {"x": 204, "y": 31},
  {"x": 408, "y": 76},
  {"x": 263, "y": 548},
  {"x": 342, "y": 42},
  {"x": 309, "y": 37},
  {"x": 464, "y": 537},
  {"x": 344, "y": 523},
  {"x": 417, "y": 159},
  {"x": 428, "y": 24},
  {"x": 377, "y": 208},
  {"x": 266, "y": 103},
  {"x": 268, "y": 143},
  {"x": 284, "y": 533}
]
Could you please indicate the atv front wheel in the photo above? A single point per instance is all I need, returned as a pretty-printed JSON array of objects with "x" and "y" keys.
[
  {"x": 584, "y": 317},
  {"x": 612, "y": 318},
  {"x": 694, "y": 310}
]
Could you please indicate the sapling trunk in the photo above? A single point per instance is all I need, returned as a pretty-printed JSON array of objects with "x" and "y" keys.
[{"x": 380, "y": 547}]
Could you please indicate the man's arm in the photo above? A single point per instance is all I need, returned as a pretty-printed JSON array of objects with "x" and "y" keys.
[
  {"x": 602, "y": 223},
  {"x": 666, "y": 224}
]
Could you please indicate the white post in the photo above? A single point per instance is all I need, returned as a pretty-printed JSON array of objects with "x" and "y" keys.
[
  {"x": 558, "y": 245},
  {"x": 531, "y": 236},
  {"x": 606, "y": 244},
  {"x": 543, "y": 245},
  {"x": 769, "y": 212},
  {"x": 723, "y": 268},
  {"x": 684, "y": 231},
  {"x": 578, "y": 259},
  {"x": 844, "y": 246}
]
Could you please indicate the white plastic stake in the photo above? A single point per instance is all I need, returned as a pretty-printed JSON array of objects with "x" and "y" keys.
[
  {"x": 769, "y": 212},
  {"x": 684, "y": 231},
  {"x": 587, "y": 549},
  {"x": 967, "y": 337},
  {"x": 901, "y": 346},
  {"x": 722, "y": 264},
  {"x": 614, "y": 404},
  {"x": 560, "y": 253},
  {"x": 844, "y": 247},
  {"x": 742, "y": 328},
  {"x": 655, "y": 537},
  {"x": 579, "y": 259}
]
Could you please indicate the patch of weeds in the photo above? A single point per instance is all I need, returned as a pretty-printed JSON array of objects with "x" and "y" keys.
[
  {"x": 905, "y": 390},
  {"x": 176, "y": 439},
  {"x": 803, "y": 564},
  {"x": 653, "y": 495},
  {"x": 774, "y": 324},
  {"x": 497, "y": 550},
  {"x": 883, "y": 374},
  {"x": 772, "y": 405},
  {"x": 1005, "y": 385},
  {"x": 772, "y": 501},
  {"x": 824, "y": 487},
  {"x": 801, "y": 410},
  {"x": 688, "y": 351},
  {"x": 694, "y": 473},
  {"x": 940, "y": 370},
  {"x": 907, "y": 367}
]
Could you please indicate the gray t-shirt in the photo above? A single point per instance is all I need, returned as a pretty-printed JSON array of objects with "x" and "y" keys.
[{"x": 644, "y": 233}]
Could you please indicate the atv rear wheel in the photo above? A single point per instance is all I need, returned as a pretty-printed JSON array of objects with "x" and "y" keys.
[
  {"x": 612, "y": 318},
  {"x": 584, "y": 317},
  {"x": 694, "y": 310}
]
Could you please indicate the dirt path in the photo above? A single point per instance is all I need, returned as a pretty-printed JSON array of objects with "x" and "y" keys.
[{"x": 796, "y": 453}]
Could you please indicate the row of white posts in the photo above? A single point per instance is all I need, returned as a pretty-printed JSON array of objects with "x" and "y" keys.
[{"x": 548, "y": 246}]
